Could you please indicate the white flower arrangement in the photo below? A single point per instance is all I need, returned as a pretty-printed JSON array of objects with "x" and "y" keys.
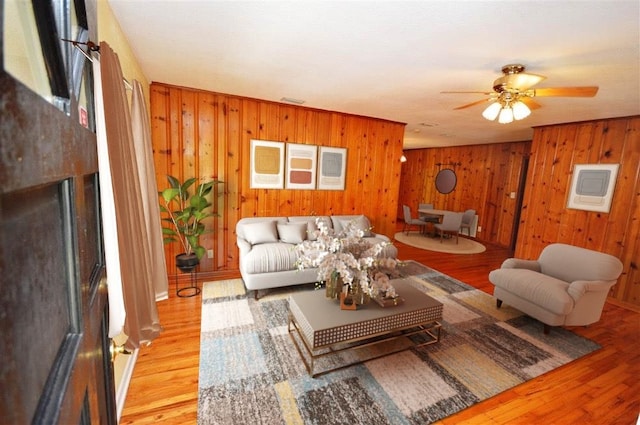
[{"x": 349, "y": 256}]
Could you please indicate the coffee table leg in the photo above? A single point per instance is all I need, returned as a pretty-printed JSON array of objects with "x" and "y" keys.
[{"x": 308, "y": 365}]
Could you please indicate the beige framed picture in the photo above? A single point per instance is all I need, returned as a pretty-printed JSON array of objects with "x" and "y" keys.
[
  {"x": 332, "y": 167},
  {"x": 592, "y": 187},
  {"x": 267, "y": 164},
  {"x": 301, "y": 166}
]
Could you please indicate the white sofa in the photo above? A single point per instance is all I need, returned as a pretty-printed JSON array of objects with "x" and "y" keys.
[{"x": 267, "y": 254}]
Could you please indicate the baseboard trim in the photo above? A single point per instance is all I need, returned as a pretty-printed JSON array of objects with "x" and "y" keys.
[
  {"x": 162, "y": 295},
  {"x": 123, "y": 388}
]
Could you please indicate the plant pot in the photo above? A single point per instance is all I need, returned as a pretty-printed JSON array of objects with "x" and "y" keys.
[{"x": 187, "y": 262}]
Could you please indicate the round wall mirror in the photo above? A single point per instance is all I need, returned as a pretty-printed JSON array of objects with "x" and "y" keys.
[{"x": 446, "y": 180}]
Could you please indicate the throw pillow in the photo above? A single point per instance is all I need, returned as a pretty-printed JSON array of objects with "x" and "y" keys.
[
  {"x": 292, "y": 232},
  {"x": 261, "y": 232},
  {"x": 311, "y": 225},
  {"x": 361, "y": 222}
]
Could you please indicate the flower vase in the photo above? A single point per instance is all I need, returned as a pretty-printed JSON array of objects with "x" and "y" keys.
[
  {"x": 360, "y": 296},
  {"x": 333, "y": 287}
]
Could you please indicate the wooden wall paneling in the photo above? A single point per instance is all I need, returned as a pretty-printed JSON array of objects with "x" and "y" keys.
[
  {"x": 589, "y": 155},
  {"x": 391, "y": 181},
  {"x": 533, "y": 210},
  {"x": 568, "y": 219},
  {"x": 318, "y": 131},
  {"x": 559, "y": 148},
  {"x": 250, "y": 122},
  {"x": 492, "y": 186},
  {"x": 343, "y": 202},
  {"x": 615, "y": 147},
  {"x": 287, "y": 134},
  {"x": 189, "y": 133},
  {"x": 160, "y": 129},
  {"x": 230, "y": 135},
  {"x": 629, "y": 291},
  {"x": 504, "y": 175},
  {"x": 623, "y": 235},
  {"x": 512, "y": 163},
  {"x": 609, "y": 149},
  {"x": 269, "y": 130},
  {"x": 206, "y": 162}
]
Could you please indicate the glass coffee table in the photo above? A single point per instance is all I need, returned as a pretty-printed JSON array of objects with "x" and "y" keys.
[{"x": 319, "y": 328}]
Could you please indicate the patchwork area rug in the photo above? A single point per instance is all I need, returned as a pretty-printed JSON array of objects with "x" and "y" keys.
[
  {"x": 418, "y": 240},
  {"x": 251, "y": 373}
]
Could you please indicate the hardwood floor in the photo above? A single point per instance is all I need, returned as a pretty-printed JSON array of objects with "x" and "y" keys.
[{"x": 601, "y": 388}]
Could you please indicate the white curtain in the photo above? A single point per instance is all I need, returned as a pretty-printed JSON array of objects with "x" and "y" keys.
[
  {"x": 136, "y": 256},
  {"x": 117, "y": 311},
  {"x": 144, "y": 158}
]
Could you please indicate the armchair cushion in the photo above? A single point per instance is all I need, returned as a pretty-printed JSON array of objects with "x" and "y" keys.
[{"x": 537, "y": 288}]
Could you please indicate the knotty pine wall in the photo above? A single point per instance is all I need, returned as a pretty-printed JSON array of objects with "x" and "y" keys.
[
  {"x": 207, "y": 135},
  {"x": 545, "y": 219},
  {"x": 486, "y": 175}
]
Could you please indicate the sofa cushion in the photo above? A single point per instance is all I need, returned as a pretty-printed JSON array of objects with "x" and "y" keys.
[
  {"x": 537, "y": 288},
  {"x": 261, "y": 232},
  {"x": 292, "y": 232},
  {"x": 360, "y": 222},
  {"x": 311, "y": 224},
  {"x": 270, "y": 257}
]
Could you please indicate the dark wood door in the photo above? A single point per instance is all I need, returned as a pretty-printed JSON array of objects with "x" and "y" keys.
[{"x": 55, "y": 365}]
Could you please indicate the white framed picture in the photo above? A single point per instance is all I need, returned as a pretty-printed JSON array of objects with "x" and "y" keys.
[
  {"x": 332, "y": 167},
  {"x": 592, "y": 187},
  {"x": 267, "y": 164},
  {"x": 301, "y": 166}
]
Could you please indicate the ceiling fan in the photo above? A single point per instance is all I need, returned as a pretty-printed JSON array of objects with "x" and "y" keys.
[{"x": 512, "y": 94}]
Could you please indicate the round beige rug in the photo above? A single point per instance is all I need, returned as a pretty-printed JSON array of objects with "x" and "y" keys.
[{"x": 418, "y": 240}]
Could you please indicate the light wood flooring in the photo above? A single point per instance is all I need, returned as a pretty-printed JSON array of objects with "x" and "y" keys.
[{"x": 601, "y": 388}]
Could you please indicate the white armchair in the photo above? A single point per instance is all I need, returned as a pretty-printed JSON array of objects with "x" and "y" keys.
[{"x": 566, "y": 285}]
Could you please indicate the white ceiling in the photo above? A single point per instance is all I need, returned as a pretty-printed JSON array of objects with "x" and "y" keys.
[{"x": 391, "y": 59}]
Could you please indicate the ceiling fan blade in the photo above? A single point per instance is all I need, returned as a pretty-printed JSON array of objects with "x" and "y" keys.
[
  {"x": 532, "y": 104},
  {"x": 473, "y": 92},
  {"x": 589, "y": 91},
  {"x": 468, "y": 105}
]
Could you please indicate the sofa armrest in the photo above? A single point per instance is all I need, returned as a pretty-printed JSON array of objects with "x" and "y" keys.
[
  {"x": 518, "y": 263},
  {"x": 244, "y": 246},
  {"x": 578, "y": 288}
]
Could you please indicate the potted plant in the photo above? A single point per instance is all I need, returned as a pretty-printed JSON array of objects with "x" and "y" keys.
[{"x": 186, "y": 211}]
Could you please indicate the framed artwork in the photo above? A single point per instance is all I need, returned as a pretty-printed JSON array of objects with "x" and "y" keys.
[
  {"x": 301, "y": 166},
  {"x": 267, "y": 164},
  {"x": 592, "y": 187},
  {"x": 332, "y": 167}
]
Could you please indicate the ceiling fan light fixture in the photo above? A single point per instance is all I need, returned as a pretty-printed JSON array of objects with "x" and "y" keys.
[
  {"x": 520, "y": 110},
  {"x": 492, "y": 111},
  {"x": 506, "y": 115}
]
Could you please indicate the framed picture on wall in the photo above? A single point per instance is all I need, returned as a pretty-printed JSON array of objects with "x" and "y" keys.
[
  {"x": 332, "y": 167},
  {"x": 592, "y": 187},
  {"x": 267, "y": 164},
  {"x": 301, "y": 166}
]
